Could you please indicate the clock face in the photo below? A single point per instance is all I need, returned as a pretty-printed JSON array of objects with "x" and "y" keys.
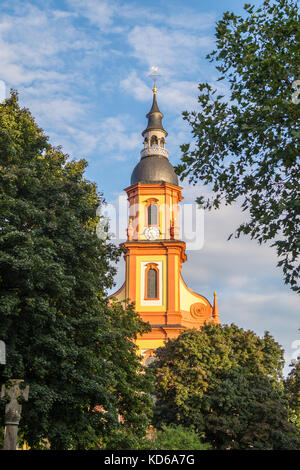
[{"x": 151, "y": 233}]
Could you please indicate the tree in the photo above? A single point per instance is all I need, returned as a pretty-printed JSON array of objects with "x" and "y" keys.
[
  {"x": 174, "y": 437},
  {"x": 62, "y": 337},
  {"x": 226, "y": 382},
  {"x": 246, "y": 145},
  {"x": 292, "y": 389},
  {"x": 178, "y": 438},
  {"x": 243, "y": 411}
]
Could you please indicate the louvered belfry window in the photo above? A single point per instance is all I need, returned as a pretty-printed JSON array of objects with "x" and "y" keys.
[{"x": 152, "y": 284}]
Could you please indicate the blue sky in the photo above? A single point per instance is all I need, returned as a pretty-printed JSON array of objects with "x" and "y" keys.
[{"x": 82, "y": 67}]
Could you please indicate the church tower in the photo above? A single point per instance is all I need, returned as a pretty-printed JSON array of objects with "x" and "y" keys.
[{"x": 154, "y": 252}]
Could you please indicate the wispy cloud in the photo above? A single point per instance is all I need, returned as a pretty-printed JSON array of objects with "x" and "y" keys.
[
  {"x": 136, "y": 86},
  {"x": 173, "y": 95},
  {"x": 169, "y": 50},
  {"x": 37, "y": 46},
  {"x": 99, "y": 13},
  {"x": 189, "y": 20},
  {"x": 116, "y": 135}
]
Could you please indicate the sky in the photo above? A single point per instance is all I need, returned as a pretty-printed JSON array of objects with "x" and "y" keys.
[{"x": 82, "y": 68}]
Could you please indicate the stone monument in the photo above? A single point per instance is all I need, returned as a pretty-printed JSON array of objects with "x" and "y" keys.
[{"x": 13, "y": 411}]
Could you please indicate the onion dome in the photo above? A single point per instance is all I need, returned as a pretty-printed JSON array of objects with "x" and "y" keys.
[{"x": 154, "y": 169}]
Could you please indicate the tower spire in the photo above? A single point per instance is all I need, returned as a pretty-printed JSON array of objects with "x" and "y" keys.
[
  {"x": 154, "y": 166},
  {"x": 154, "y": 116}
]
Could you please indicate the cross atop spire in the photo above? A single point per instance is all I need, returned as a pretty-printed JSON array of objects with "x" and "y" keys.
[{"x": 154, "y": 75}]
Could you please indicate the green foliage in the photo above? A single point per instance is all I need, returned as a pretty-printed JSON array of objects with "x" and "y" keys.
[
  {"x": 63, "y": 338},
  {"x": 174, "y": 437},
  {"x": 245, "y": 411},
  {"x": 292, "y": 389},
  {"x": 125, "y": 438},
  {"x": 226, "y": 382},
  {"x": 246, "y": 144},
  {"x": 177, "y": 437}
]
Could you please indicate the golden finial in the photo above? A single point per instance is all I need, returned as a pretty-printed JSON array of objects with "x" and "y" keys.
[{"x": 154, "y": 89}]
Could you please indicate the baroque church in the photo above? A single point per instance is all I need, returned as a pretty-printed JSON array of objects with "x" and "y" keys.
[{"x": 154, "y": 252}]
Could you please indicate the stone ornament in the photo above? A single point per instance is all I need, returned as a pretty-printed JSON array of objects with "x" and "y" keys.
[
  {"x": 200, "y": 311},
  {"x": 13, "y": 411},
  {"x": 130, "y": 230}
]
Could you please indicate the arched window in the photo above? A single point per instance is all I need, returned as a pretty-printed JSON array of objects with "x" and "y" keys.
[
  {"x": 154, "y": 140},
  {"x": 153, "y": 214},
  {"x": 151, "y": 282},
  {"x": 162, "y": 142}
]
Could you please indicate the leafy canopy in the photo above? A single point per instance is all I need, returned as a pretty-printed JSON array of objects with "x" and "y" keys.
[
  {"x": 74, "y": 350},
  {"x": 246, "y": 412},
  {"x": 226, "y": 382},
  {"x": 246, "y": 143},
  {"x": 174, "y": 437},
  {"x": 292, "y": 389},
  {"x": 178, "y": 437}
]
